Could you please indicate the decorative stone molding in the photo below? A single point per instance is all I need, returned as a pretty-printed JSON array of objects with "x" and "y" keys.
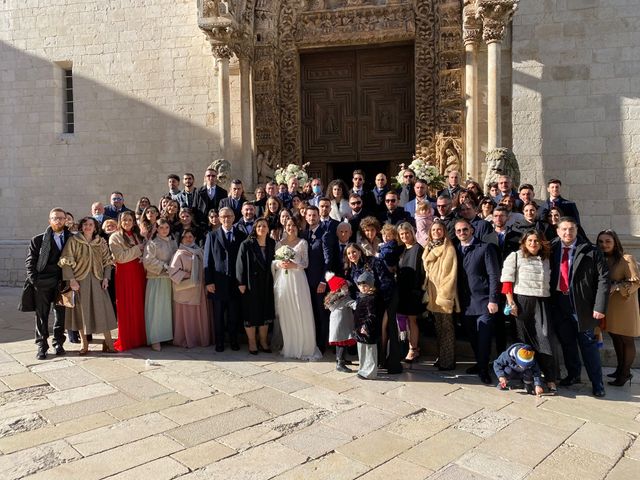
[
  {"x": 495, "y": 15},
  {"x": 471, "y": 23},
  {"x": 221, "y": 51}
]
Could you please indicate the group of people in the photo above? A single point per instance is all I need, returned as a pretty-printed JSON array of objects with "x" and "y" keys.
[{"x": 302, "y": 268}]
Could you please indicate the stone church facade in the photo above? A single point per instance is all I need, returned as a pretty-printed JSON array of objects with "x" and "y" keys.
[{"x": 168, "y": 86}]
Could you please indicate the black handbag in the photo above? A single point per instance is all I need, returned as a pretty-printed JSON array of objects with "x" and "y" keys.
[{"x": 28, "y": 298}]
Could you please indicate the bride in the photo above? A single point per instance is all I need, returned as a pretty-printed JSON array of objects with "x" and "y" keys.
[{"x": 292, "y": 298}]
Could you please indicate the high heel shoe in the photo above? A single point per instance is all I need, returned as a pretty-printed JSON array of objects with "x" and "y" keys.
[
  {"x": 614, "y": 374},
  {"x": 83, "y": 351},
  {"x": 108, "y": 348},
  {"x": 621, "y": 381},
  {"x": 413, "y": 355}
]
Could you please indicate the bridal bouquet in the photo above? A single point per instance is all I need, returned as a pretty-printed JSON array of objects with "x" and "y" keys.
[
  {"x": 423, "y": 170},
  {"x": 283, "y": 174},
  {"x": 285, "y": 254}
]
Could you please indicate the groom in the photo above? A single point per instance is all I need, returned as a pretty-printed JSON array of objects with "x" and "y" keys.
[{"x": 322, "y": 254}]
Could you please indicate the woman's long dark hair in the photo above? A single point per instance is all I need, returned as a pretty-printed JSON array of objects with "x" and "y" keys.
[
  {"x": 545, "y": 247},
  {"x": 618, "y": 251},
  {"x": 96, "y": 226}
]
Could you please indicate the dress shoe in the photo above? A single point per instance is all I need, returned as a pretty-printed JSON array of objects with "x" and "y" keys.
[
  {"x": 42, "y": 354},
  {"x": 264, "y": 350},
  {"x": 341, "y": 367},
  {"x": 253, "y": 352},
  {"x": 485, "y": 378},
  {"x": 361, "y": 377},
  {"x": 60, "y": 350},
  {"x": 473, "y": 369},
  {"x": 568, "y": 381},
  {"x": 219, "y": 348},
  {"x": 235, "y": 347},
  {"x": 599, "y": 393}
]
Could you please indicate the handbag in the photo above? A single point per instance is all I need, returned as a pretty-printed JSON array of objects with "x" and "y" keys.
[{"x": 66, "y": 298}]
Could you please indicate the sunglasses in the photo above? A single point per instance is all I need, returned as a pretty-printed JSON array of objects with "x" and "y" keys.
[{"x": 390, "y": 200}]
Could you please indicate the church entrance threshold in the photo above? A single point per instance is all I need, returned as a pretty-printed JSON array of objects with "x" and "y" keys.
[{"x": 357, "y": 111}]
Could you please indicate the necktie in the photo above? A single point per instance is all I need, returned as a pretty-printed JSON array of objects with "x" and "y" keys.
[
  {"x": 59, "y": 242},
  {"x": 341, "y": 251},
  {"x": 229, "y": 236},
  {"x": 249, "y": 227},
  {"x": 501, "y": 239},
  {"x": 211, "y": 192},
  {"x": 564, "y": 270}
]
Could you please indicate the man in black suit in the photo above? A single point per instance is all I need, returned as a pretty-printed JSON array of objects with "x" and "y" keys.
[
  {"x": 368, "y": 200},
  {"x": 580, "y": 295},
  {"x": 236, "y": 198},
  {"x": 567, "y": 207},
  {"x": 357, "y": 214},
  {"x": 208, "y": 196},
  {"x": 379, "y": 192},
  {"x": 45, "y": 275},
  {"x": 324, "y": 208},
  {"x": 322, "y": 258},
  {"x": 116, "y": 207},
  {"x": 394, "y": 214},
  {"x": 245, "y": 224},
  {"x": 220, "y": 255}
]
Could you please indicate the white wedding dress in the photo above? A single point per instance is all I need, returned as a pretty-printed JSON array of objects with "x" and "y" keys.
[{"x": 293, "y": 306}]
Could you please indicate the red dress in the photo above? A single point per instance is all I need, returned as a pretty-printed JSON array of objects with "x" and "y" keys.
[{"x": 130, "y": 288}]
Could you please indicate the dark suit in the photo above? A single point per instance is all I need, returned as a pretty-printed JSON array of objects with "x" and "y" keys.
[
  {"x": 396, "y": 217},
  {"x": 378, "y": 196},
  {"x": 186, "y": 199},
  {"x": 478, "y": 285},
  {"x": 220, "y": 258},
  {"x": 368, "y": 200},
  {"x": 330, "y": 224},
  {"x": 235, "y": 205},
  {"x": 111, "y": 212},
  {"x": 202, "y": 203},
  {"x": 322, "y": 258},
  {"x": 567, "y": 207},
  {"x": 245, "y": 227},
  {"x": 46, "y": 278},
  {"x": 588, "y": 292}
]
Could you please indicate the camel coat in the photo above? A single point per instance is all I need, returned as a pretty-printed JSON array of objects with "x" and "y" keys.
[
  {"x": 623, "y": 314},
  {"x": 441, "y": 268}
]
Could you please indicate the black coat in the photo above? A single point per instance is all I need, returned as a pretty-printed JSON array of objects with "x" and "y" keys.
[
  {"x": 237, "y": 210},
  {"x": 220, "y": 258},
  {"x": 396, "y": 217},
  {"x": 323, "y": 255},
  {"x": 365, "y": 315},
  {"x": 567, "y": 207},
  {"x": 478, "y": 277},
  {"x": 588, "y": 281},
  {"x": 202, "y": 203},
  {"x": 254, "y": 271}
]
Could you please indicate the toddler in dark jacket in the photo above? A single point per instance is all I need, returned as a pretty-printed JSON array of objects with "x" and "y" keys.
[
  {"x": 366, "y": 326},
  {"x": 517, "y": 362}
]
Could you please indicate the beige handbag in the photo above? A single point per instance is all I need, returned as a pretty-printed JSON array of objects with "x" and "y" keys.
[{"x": 66, "y": 298}]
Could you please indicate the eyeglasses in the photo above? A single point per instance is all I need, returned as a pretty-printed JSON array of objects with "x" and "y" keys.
[
  {"x": 116, "y": 199},
  {"x": 225, "y": 216},
  {"x": 355, "y": 203},
  {"x": 462, "y": 230},
  {"x": 58, "y": 219},
  {"x": 390, "y": 200}
]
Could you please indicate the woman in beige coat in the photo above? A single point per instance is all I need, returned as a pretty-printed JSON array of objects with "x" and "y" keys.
[
  {"x": 623, "y": 314},
  {"x": 441, "y": 295},
  {"x": 191, "y": 322},
  {"x": 86, "y": 265}
]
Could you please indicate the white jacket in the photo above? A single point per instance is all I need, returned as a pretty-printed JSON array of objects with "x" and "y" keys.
[{"x": 530, "y": 275}]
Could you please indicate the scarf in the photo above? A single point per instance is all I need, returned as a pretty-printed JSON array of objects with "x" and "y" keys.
[
  {"x": 196, "y": 261},
  {"x": 434, "y": 243},
  {"x": 45, "y": 249}
]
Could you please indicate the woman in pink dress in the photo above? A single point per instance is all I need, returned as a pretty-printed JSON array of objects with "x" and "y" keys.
[
  {"x": 126, "y": 247},
  {"x": 191, "y": 322}
]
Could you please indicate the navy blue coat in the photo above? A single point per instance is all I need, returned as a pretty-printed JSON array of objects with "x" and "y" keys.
[
  {"x": 323, "y": 253},
  {"x": 568, "y": 208},
  {"x": 478, "y": 277},
  {"x": 588, "y": 280},
  {"x": 220, "y": 257}
]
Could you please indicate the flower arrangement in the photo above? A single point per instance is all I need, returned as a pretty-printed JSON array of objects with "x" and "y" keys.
[
  {"x": 423, "y": 170},
  {"x": 285, "y": 254},
  {"x": 283, "y": 174}
]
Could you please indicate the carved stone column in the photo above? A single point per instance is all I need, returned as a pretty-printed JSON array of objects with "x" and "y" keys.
[
  {"x": 245, "y": 117},
  {"x": 472, "y": 34},
  {"x": 495, "y": 15},
  {"x": 223, "y": 54}
]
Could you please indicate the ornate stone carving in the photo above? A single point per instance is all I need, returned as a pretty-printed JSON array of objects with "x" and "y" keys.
[
  {"x": 495, "y": 15},
  {"x": 448, "y": 153},
  {"x": 501, "y": 161},
  {"x": 471, "y": 23},
  {"x": 223, "y": 167},
  {"x": 221, "y": 51},
  {"x": 425, "y": 74}
]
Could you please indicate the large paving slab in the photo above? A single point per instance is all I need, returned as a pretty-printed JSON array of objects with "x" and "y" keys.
[{"x": 197, "y": 414}]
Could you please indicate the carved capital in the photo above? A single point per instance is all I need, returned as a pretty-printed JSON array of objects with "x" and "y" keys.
[
  {"x": 221, "y": 51},
  {"x": 471, "y": 23},
  {"x": 495, "y": 15}
]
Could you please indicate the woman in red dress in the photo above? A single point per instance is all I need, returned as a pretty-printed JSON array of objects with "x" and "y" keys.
[{"x": 127, "y": 246}]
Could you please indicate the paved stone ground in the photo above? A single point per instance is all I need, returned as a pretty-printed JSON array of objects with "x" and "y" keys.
[{"x": 195, "y": 414}]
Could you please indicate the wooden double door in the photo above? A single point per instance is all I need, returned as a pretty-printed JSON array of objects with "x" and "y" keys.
[{"x": 357, "y": 111}]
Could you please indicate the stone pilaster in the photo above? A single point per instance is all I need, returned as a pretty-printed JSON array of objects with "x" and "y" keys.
[{"x": 472, "y": 35}]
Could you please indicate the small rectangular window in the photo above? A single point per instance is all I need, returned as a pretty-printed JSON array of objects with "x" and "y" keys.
[{"x": 68, "y": 101}]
